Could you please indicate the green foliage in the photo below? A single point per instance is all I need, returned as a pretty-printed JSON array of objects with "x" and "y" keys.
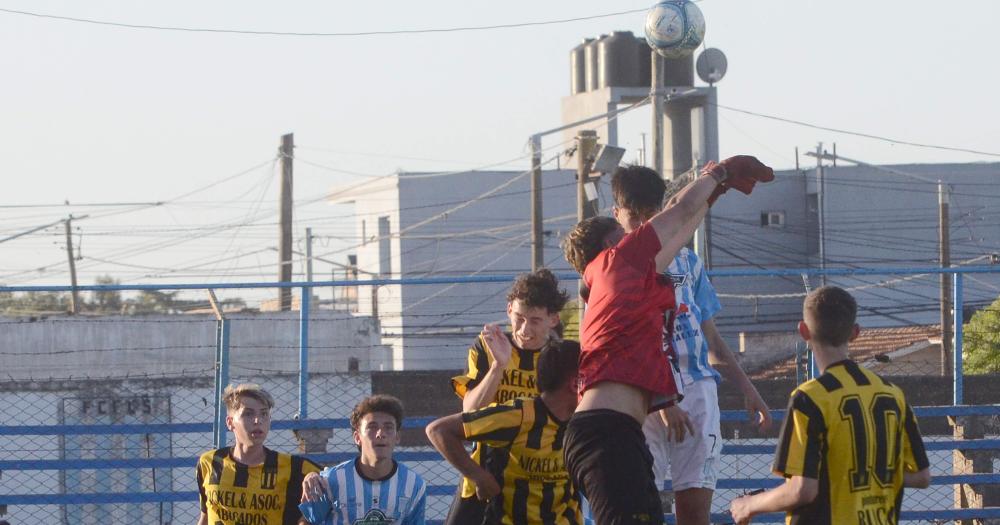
[
  {"x": 981, "y": 341},
  {"x": 106, "y": 301},
  {"x": 33, "y": 302}
]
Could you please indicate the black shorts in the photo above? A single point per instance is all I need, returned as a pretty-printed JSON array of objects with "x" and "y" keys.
[
  {"x": 607, "y": 458},
  {"x": 465, "y": 511}
]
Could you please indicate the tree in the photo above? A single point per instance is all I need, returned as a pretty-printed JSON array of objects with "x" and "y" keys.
[
  {"x": 981, "y": 343},
  {"x": 106, "y": 300}
]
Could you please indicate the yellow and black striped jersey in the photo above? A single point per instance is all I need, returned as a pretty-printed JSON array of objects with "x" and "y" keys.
[
  {"x": 232, "y": 493},
  {"x": 853, "y": 432},
  {"x": 536, "y": 488},
  {"x": 518, "y": 381}
]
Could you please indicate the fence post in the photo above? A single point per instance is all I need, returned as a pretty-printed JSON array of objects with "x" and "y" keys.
[
  {"x": 221, "y": 381},
  {"x": 221, "y": 370},
  {"x": 957, "y": 357},
  {"x": 304, "y": 353},
  {"x": 965, "y": 461}
]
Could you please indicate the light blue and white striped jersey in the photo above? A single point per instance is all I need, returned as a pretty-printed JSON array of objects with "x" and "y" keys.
[
  {"x": 696, "y": 302},
  {"x": 399, "y": 499}
]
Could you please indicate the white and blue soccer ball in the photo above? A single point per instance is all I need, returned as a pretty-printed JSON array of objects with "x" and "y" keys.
[{"x": 675, "y": 28}]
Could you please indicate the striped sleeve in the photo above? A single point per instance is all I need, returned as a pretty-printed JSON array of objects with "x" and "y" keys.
[
  {"x": 496, "y": 426},
  {"x": 914, "y": 454},
  {"x": 478, "y": 365},
  {"x": 418, "y": 509},
  {"x": 202, "y": 497},
  {"x": 800, "y": 449}
]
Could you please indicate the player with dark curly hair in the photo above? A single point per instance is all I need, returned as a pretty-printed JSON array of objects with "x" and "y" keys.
[{"x": 502, "y": 366}]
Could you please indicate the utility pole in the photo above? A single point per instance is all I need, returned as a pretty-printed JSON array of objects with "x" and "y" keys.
[
  {"x": 537, "y": 255},
  {"x": 820, "y": 209},
  {"x": 656, "y": 79},
  {"x": 585, "y": 152},
  {"x": 285, "y": 242},
  {"x": 74, "y": 298},
  {"x": 944, "y": 249},
  {"x": 309, "y": 259}
]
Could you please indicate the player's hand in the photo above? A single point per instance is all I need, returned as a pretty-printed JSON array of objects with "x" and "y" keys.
[
  {"x": 497, "y": 344},
  {"x": 677, "y": 422},
  {"x": 744, "y": 171},
  {"x": 486, "y": 486},
  {"x": 740, "y": 509},
  {"x": 758, "y": 412},
  {"x": 314, "y": 486}
]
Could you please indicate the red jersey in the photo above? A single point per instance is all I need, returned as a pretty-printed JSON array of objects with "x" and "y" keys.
[{"x": 622, "y": 330}]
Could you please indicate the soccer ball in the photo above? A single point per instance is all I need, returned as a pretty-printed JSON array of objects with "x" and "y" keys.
[{"x": 675, "y": 28}]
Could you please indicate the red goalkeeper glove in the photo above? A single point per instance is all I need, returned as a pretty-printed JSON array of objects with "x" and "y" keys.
[{"x": 744, "y": 171}]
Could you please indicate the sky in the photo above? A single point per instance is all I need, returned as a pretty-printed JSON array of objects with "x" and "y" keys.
[{"x": 98, "y": 114}]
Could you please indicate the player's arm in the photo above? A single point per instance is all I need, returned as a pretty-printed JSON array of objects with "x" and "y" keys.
[
  {"x": 662, "y": 260},
  {"x": 917, "y": 480},
  {"x": 203, "y": 519},
  {"x": 794, "y": 492},
  {"x": 496, "y": 343},
  {"x": 724, "y": 361},
  {"x": 675, "y": 225},
  {"x": 674, "y": 221},
  {"x": 447, "y": 436},
  {"x": 916, "y": 467}
]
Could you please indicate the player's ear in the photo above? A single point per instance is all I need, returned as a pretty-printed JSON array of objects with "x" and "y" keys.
[
  {"x": 854, "y": 332},
  {"x": 510, "y": 307},
  {"x": 804, "y": 331},
  {"x": 229, "y": 421},
  {"x": 357, "y": 438}
]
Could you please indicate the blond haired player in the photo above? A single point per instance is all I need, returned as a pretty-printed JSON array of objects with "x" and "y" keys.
[{"x": 247, "y": 483}]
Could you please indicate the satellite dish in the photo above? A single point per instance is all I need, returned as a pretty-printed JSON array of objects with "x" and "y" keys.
[{"x": 711, "y": 65}]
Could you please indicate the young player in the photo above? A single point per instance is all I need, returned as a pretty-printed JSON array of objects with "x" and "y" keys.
[
  {"x": 372, "y": 488},
  {"x": 624, "y": 373},
  {"x": 695, "y": 346},
  {"x": 534, "y": 487},
  {"x": 501, "y": 367},
  {"x": 849, "y": 442},
  {"x": 248, "y": 483}
]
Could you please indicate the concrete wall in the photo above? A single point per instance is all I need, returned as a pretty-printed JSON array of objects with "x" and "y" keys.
[
  {"x": 110, "y": 347},
  {"x": 758, "y": 349}
]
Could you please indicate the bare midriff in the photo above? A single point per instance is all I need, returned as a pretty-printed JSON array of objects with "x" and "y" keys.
[{"x": 620, "y": 397}]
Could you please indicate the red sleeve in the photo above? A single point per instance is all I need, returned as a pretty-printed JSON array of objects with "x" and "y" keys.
[{"x": 640, "y": 246}]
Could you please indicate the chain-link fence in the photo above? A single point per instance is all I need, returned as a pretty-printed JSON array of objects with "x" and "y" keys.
[{"x": 103, "y": 417}]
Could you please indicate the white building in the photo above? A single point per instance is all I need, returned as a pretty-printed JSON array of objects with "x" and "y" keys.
[{"x": 416, "y": 225}]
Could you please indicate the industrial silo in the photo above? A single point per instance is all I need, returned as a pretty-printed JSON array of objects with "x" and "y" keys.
[
  {"x": 578, "y": 67},
  {"x": 617, "y": 63}
]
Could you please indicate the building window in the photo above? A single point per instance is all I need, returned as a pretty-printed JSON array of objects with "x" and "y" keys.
[
  {"x": 772, "y": 219},
  {"x": 384, "y": 247}
]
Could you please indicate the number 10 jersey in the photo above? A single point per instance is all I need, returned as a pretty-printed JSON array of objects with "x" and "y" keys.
[{"x": 853, "y": 432}]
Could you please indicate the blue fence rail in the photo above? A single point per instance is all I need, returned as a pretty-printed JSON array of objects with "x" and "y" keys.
[
  {"x": 216, "y": 428},
  {"x": 766, "y": 450}
]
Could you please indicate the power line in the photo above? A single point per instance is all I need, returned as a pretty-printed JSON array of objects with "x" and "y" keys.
[
  {"x": 309, "y": 34},
  {"x": 858, "y": 133}
]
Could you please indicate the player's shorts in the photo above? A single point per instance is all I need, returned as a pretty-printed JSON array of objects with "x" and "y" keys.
[
  {"x": 465, "y": 511},
  {"x": 694, "y": 462},
  {"x": 607, "y": 458}
]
